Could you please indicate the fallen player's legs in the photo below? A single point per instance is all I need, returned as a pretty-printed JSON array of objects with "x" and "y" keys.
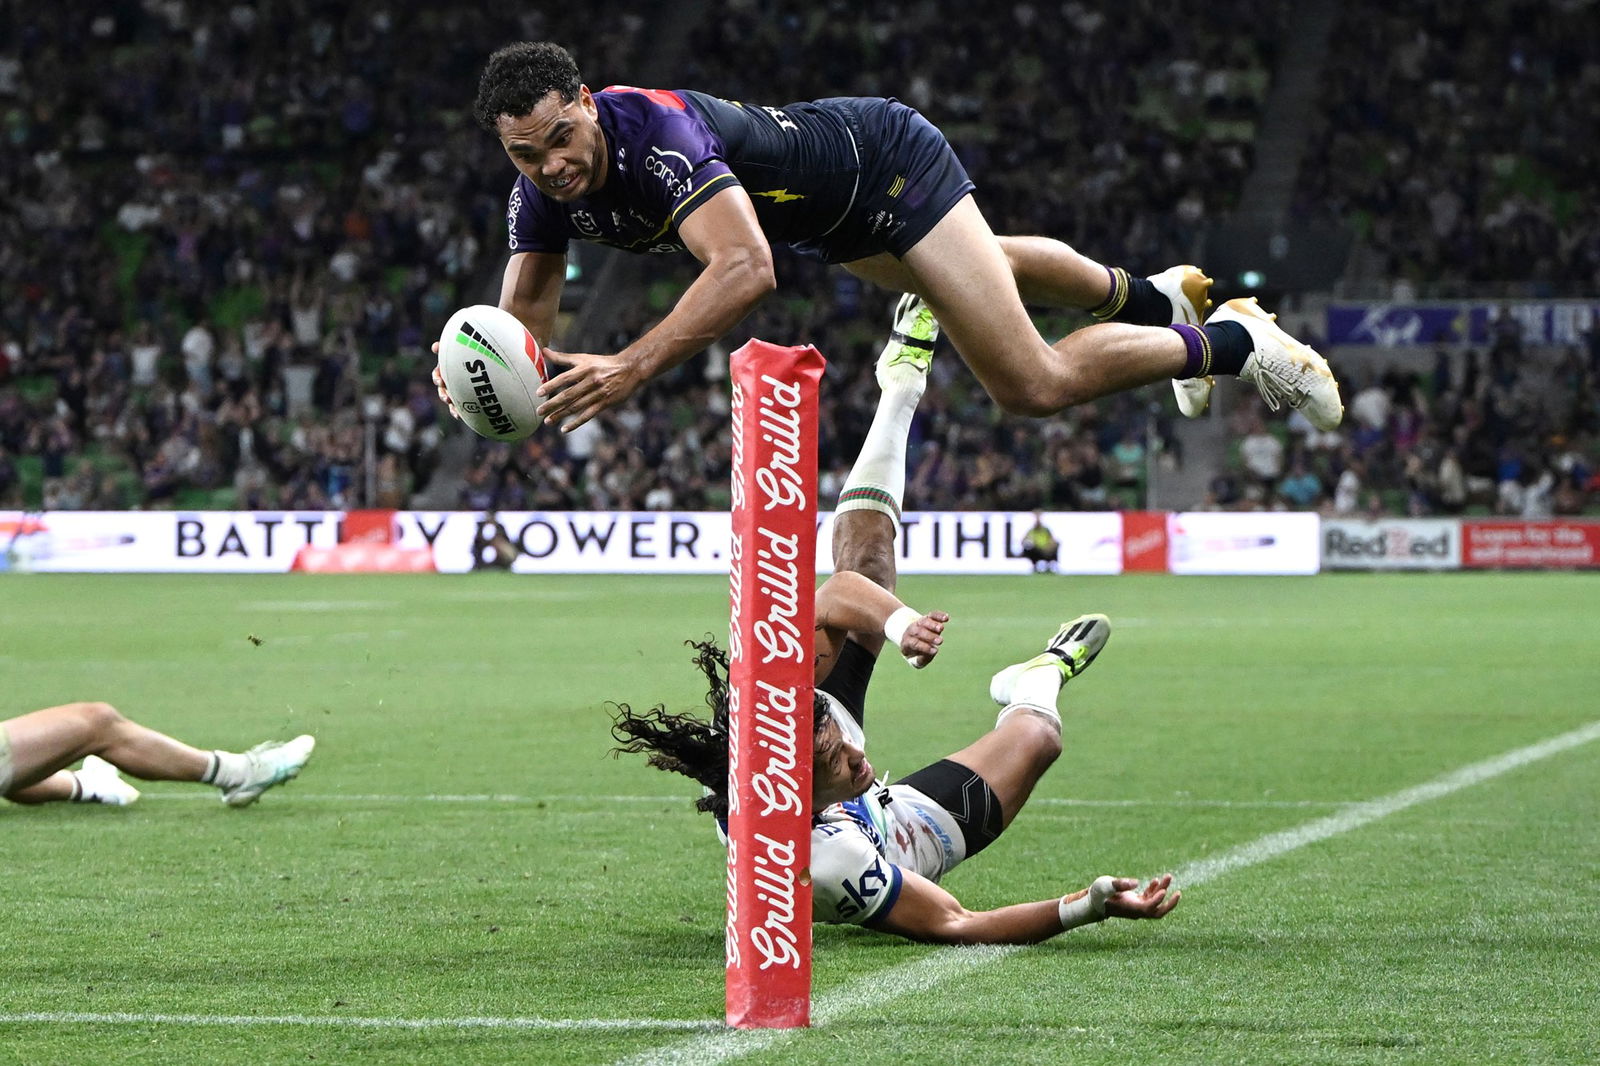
[
  {"x": 1008, "y": 761},
  {"x": 45, "y": 742},
  {"x": 983, "y": 786},
  {"x": 863, "y": 541}
]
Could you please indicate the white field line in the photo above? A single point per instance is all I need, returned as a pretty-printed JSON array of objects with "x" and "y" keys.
[
  {"x": 680, "y": 799},
  {"x": 872, "y": 993},
  {"x": 271, "y": 639},
  {"x": 485, "y": 797},
  {"x": 347, "y": 1021},
  {"x": 314, "y": 606},
  {"x": 1360, "y": 814}
]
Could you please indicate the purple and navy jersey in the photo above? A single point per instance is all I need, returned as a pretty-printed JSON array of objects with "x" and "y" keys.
[{"x": 671, "y": 151}]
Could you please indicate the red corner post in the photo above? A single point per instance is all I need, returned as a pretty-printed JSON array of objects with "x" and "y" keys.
[{"x": 771, "y": 583}]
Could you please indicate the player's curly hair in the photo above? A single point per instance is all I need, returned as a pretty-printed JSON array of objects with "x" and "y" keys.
[
  {"x": 518, "y": 76},
  {"x": 687, "y": 745}
]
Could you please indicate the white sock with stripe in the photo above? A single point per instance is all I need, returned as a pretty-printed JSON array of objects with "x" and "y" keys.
[{"x": 877, "y": 481}]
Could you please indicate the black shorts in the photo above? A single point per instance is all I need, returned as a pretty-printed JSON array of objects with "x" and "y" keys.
[
  {"x": 968, "y": 798},
  {"x": 910, "y": 179}
]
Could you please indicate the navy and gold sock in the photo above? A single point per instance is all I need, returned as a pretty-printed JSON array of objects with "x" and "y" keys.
[
  {"x": 1135, "y": 301},
  {"x": 1219, "y": 348}
]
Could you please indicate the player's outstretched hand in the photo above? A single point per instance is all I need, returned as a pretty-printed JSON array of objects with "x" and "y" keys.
[
  {"x": 438, "y": 383},
  {"x": 1154, "y": 901},
  {"x": 593, "y": 384},
  {"x": 923, "y": 637}
]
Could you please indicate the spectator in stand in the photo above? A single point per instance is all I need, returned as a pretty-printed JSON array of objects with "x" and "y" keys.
[
  {"x": 1300, "y": 489},
  {"x": 1262, "y": 455},
  {"x": 1414, "y": 97},
  {"x": 1347, "y": 494}
]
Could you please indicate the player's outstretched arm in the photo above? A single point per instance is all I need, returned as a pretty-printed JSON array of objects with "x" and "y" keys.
[
  {"x": 924, "y": 911},
  {"x": 851, "y": 602},
  {"x": 725, "y": 236},
  {"x": 531, "y": 290}
]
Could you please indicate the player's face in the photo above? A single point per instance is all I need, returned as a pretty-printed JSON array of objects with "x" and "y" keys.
[
  {"x": 840, "y": 769},
  {"x": 558, "y": 146}
]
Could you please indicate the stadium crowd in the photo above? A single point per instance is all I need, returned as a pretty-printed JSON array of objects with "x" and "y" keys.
[
  {"x": 1455, "y": 140},
  {"x": 236, "y": 226},
  {"x": 1503, "y": 429}
]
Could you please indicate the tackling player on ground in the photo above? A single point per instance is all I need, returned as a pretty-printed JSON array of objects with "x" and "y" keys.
[
  {"x": 860, "y": 181},
  {"x": 878, "y": 850},
  {"x": 37, "y": 748}
]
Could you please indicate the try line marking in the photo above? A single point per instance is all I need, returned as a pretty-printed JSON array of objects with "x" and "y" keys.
[
  {"x": 871, "y": 994},
  {"x": 680, "y": 801},
  {"x": 352, "y": 1022}
]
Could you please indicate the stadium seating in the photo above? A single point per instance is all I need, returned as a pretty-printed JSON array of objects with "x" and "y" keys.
[{"x": 235, "y": 231}]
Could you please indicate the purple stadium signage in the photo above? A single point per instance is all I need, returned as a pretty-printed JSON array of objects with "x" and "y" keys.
[{"x": 1462, "y": 322}]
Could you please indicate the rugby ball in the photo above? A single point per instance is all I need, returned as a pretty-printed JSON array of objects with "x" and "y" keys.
[{"x": 491, "y": 366}]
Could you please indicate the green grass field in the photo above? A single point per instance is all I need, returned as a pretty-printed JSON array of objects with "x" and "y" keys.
[{"x": 463, "y": 875}]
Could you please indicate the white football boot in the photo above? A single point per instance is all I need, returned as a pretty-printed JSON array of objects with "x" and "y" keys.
[
  {"x": 1071, "y": 650},
  {"x": 908, "y": 354},
  {"x": 1189, "y": 290},
  {"x": 271, "y": 764},
  {"x": 101, "y": 783},
  {"x": 1283, "y": 369}
]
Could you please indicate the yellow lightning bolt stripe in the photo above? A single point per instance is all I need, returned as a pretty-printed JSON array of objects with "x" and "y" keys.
[{"x": 782, "y": 196}]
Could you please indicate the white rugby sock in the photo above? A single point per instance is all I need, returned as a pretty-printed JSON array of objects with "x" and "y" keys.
[
  {"x": 99, "y": 782},
  {"x": 877, "y": 481},
  {"x": 1036, "y": 690},
  {"x": 229, "y": 769}
]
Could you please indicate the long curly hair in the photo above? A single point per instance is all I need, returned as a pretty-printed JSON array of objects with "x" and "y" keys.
[
  {"x": 685, "y": 744},
  {"x": 518, "y": 76}
]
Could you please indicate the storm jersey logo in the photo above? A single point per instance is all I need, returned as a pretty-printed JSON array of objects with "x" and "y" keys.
[{"x": 781, "y": 196}]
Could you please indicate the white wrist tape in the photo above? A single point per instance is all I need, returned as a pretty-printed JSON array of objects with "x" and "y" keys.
[
  {"x": 895, "y": 629},
  {"x": 1088, "y": 908},
  {"x": 897, "y": 624}
]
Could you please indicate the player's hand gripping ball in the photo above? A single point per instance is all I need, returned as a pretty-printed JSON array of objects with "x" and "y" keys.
[{"x": 491, "y": 366}]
